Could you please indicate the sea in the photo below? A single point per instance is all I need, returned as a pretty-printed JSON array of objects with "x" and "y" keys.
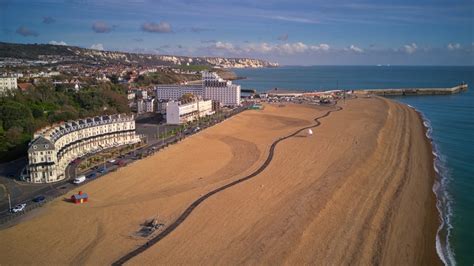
[{"x": 449, "y": 119}]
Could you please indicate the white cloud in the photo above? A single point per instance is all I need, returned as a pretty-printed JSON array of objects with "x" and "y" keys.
[
  {"x": 162, "y": 27},
  {"x": 57, "y": 43},
  {"x": 410, "y": 48},
  {"x": 320, "y": 47},
  {"x": 293, "y": 19},
  {"x": 224, "y": 46},
  {"x": 355, "y": 49},
  {"x": 454, "y": 46},
  {"x": 267, "y": 48},
  {"x": 97, "y": 46},
  {"x": 292, "y": 48},
  {"x": 262, "y": 48}
]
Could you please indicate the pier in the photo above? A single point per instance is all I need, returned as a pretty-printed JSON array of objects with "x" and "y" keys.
[{"x": 414, "y": 91}]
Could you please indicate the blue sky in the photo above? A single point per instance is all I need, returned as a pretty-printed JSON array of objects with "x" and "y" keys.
[{"x": 299, "y": 32}]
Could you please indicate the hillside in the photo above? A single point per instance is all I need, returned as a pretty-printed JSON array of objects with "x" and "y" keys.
[{"x": 53, "y": 54}]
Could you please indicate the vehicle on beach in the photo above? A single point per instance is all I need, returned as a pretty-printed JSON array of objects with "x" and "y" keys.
[
  {"x": 18, "y": 208},
  {"x": 39, "y": 198},
  {"x": 79, "y": 179}
]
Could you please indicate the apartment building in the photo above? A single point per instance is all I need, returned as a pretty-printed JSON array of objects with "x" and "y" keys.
[
  {"x": 7, "y": 84},
  {"x": 174, "y": 92},
  {"x": 54, "y": 147},
  {"x": 179, "y": 113},
  {"x": 212, "y": 88}
]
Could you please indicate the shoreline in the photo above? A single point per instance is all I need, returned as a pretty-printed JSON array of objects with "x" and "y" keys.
[{"x": 441, "y": 197}]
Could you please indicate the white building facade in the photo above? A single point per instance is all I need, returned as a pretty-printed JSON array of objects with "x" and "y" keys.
[
  {"x": 212, "y": 88},
  {"x": 150, "y": 106},
  {"x": 218, "y": 89},
  {"x": 178, "y": 113},
  {"x": 53, "y": 148},
  {"x": 7, "y": 84},
  {"x": 174, "y": 92}
]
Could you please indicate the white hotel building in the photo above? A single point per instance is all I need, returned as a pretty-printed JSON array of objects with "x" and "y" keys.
[
  {"x": 212, "y": 88},
  {"x": 179, "y": 113},
  {"x": 54, "y": 147}
]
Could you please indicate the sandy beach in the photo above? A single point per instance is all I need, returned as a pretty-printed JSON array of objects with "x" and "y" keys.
[{"x": 359, "y": 191}]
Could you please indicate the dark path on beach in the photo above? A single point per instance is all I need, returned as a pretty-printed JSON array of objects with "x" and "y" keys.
[{"x": 196, "y": 203}]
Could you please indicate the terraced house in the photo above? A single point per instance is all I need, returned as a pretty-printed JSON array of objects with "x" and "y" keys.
[{"x": 54, "y": 147}]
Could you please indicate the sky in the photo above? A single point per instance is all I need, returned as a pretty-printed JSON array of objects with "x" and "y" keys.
[{"x": 298, "y": 32}]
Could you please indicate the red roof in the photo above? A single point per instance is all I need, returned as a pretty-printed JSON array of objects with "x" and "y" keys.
[{"x": 25, "y": 86}]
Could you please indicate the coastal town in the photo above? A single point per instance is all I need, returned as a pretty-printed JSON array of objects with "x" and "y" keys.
[
  {"x": 236, "y": 133},
  {"x": 73, "y": 151}
]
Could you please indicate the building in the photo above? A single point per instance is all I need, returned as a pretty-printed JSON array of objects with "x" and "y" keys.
[
  {"x": 130, "y": 95},
  {"x": 142, "y": 94},
  {"x": 179, "y": 113},
  {"x": 7, "y": 84},
  {"x": 150, "y": 106},
  {"x": 174, "y": 92},
  {"x": 25, "y": 86},
  {"x": 218, "y": 89},
  {"x": 140, "y": 106},
  {"x": 145, "y": 106},
  {"x": 161, "y": 106},
  {"x": 212, "y": 88},
  {"x": 276, "y": 92},
  {"x": 54, "y": 147}
]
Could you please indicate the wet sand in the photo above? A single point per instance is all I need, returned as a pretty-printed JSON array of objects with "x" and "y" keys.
[{"x": 358, "y": 191}]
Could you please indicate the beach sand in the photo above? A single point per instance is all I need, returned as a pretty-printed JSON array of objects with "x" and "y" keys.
[{"x": 358, "y": 191}]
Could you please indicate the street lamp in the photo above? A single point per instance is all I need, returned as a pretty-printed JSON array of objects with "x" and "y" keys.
[{"x": 9, "y": 202}]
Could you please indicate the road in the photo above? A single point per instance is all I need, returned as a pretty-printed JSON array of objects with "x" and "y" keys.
[{"x": 22, "y": 192}]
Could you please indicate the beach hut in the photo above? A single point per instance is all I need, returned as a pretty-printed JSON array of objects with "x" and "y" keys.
[{"x": 79, "y": 198}]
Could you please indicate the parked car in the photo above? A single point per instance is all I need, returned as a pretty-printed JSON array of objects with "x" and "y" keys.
[
  {"x": 91, "y": 175},
  {"x": 39, "y": 198},
  {"x": 102, "y": 170},
  {"x": 19, "y": 208},
  {"x": 112, "y": 161},
  {"x": 79, "y": 179},
  {"x": 121, "y": 163}
]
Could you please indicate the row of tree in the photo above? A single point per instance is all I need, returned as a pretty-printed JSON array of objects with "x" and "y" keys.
[{"x": 22, "y": 113}]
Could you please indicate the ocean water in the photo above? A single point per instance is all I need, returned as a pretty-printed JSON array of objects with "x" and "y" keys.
[{"x": 450, "y": 122}]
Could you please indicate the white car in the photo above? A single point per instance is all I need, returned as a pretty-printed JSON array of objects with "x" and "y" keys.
[
  {"x": 112, "y": 161},
  {"x": 79, "y": 179},
  {"x": 19, "y": 208}
]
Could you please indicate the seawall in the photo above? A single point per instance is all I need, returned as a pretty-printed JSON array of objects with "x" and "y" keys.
[{"x": 414, "y": 91}]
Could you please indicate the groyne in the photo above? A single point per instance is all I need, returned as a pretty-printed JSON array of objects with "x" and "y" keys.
[{"x": 414, "y": 91}]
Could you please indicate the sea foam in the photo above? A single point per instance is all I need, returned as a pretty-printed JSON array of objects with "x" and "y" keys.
[{"x": 443, "y": 199}]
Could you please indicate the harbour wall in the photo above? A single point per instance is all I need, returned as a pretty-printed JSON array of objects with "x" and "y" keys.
[{"x": 415, "y": 91}]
